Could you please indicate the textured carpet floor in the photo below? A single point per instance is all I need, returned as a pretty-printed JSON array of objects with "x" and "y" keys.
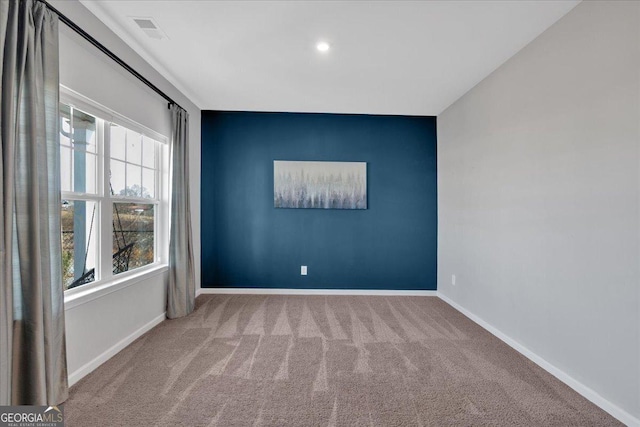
[{"x": 249, "y": 360}]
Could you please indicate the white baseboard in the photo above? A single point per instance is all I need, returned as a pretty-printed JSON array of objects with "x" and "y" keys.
[
  {"x": 274, "y": 291},
  {"x": 591, "y": 395},
  {"x": 89, "y": 367}
]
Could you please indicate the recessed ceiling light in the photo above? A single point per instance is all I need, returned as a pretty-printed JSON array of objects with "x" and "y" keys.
[{"x": 323, "y": 46}]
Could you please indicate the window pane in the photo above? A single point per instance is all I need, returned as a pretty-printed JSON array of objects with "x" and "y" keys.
[
  {"x": 134, "y": 147},
  {"x": 65, "y": 125},
  {"x": 148, "y": 183},
  {"x": 79, "y": 236},
  {"x": 148, "y": 152},
  {"x": 134, "y": 181},
  {"x": 84, "y": 131},
  {"x": 118, "y": 182},
  {"x": 133, "y": 236},
  {"x": 118, "y": 142},
  {"x": 92, "y": 173},
  {"x": 78, "y": 150},
  {"x": 84, "y": 172},
  {"x": 65, "y": 168}
]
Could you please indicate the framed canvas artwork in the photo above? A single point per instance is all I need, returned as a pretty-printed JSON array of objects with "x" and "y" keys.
[{"x": 319, "y": 185}]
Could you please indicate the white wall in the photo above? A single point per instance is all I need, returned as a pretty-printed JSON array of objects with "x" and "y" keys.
[
  {"x": 538, "y": 194},
  {"x": 98, "y": 327}
]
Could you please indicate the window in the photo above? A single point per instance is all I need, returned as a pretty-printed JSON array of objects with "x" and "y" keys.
[{"x": 111, "y": 173}]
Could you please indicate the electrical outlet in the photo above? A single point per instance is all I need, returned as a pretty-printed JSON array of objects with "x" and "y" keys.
[
  {"x": 453, "y": 279},
  {"x": 303, "y": 270}
]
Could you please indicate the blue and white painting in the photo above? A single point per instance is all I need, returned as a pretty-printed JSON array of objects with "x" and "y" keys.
[{"x": 319, "y": 185}]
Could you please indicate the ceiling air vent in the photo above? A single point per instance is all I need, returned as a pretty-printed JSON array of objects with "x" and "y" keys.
[{"x": 150, "y": 28}]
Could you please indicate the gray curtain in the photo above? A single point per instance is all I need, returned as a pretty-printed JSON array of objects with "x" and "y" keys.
[
  {"x": 182, "y": 289},
  {"x": 33, "y": 367}
]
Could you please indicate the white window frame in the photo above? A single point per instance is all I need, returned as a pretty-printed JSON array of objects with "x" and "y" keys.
[{"x": 105, "y": 202}]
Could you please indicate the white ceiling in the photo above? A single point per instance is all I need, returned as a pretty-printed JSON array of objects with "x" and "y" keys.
[{"x": 387, "y": 57}]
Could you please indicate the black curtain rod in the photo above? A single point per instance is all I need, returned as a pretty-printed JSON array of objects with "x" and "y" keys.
[{"x": 69, "y": 23}]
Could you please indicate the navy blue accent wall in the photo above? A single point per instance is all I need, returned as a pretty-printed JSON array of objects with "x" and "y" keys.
[{"x": 246, "y": 242}]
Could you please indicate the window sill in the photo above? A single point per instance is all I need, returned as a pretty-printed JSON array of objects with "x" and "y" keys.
[{"x": 101, "y": 289}]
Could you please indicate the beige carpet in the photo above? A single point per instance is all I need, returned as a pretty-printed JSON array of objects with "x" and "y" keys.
[{"x": 250, "y": 360}]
